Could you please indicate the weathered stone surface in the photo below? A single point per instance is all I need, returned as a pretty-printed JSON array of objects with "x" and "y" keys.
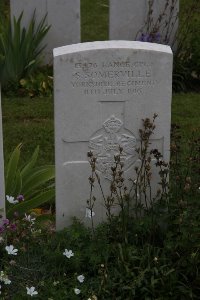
[
  {"x": 102, "y": 91},
  {"x": 62, "y": 15},
  {"x": 2, "y": 188},
  {"x": 128, "y": 17}
]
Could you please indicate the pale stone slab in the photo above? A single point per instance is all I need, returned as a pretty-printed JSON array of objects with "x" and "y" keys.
[
  {"x": 127, "y": 17},
  {"x": 28, "y": 7},
  {"x": 2, "y": 187},
  {"x": 102, "y": 90},
  {"x": 62, "y": 15}
]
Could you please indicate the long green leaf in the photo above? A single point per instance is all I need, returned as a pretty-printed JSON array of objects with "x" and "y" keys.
[
  {"x": 25, "y": 172},
  {"x": 37, "y": 179},
  {"x": 20, "y": 48},
  {"x": 12, "y": 169},
  {"x": 17, "y": 184}
]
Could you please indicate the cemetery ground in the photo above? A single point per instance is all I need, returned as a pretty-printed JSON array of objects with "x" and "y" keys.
[{"x": 154, "y": 260}]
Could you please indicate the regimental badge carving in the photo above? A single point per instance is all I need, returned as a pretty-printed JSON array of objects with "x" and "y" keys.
[{"x": 105, "y": 144}]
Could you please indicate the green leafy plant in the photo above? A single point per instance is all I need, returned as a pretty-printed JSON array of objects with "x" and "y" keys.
[
  {"x": 38, "y": 84},
  {"x": 154, "y": 249},
  {"x": 4, "y": 9},
  {"x": 186, "y": 73},
  {"x": 20, "y": 49},
  {"x": 34, "y": 183},
  {"x": 145, "y": 252},
  {"x": 162, "y": 28},
  {"x": 184, "y": 40}
]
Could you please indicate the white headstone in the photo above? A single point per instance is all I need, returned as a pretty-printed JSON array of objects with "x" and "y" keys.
[
  {"x": 62, "y": 15},
  {"x": 128, "y": 17},
  {"x": 102, "y": 91},
  {"x": 2, "y": 188}
]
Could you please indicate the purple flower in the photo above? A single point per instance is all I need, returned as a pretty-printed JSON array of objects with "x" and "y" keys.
[
  {"x": 157, "y": 37},
  {"x": 6, "y": 222},
  {"x": 153, "y": 37},
  {"x": 13, "y": 227},
  {"x": 20, "y": 198},
  {"x": 143, "y": 37}
]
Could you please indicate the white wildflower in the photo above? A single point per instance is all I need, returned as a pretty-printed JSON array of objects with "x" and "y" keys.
[
  {"x": 68, "y": 253},
  {"x": 31, "y": 291},
  {"x": 4, "y": 278},
  {"x": 81, "y": 278},
  {"x": 29, "y": 219},
  {"x": 77, "y": 291},
  {"x": 155, "y": 259},
  {"x": 55, "y": 283},
  {"x": 89, "y": 213},
  {"x": 11, "y": 199},
  {"x": 7, "y": 281},
  {"x": 11, "y": 250},
  {"x": 1, "y": 275},
  {"x": 93, "y": 298}
]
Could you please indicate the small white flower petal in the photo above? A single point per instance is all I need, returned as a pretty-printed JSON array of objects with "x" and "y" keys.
[
  {"x": 7, "y": 281},
  {"x": 77, "y": 291},
  {"x": 81, "y": 278},
  {"x": 11, "y": 199},
  {"x": 31, "y": 291},
  {"x": 29, "y": 218},
  {"x": 68, "y": 253},
  {"x": 10, "y": 249},
  {"x": 89, "y": 213}
]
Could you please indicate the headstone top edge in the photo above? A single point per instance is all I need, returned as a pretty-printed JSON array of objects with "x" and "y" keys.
[{"x": 135, "y": 45}]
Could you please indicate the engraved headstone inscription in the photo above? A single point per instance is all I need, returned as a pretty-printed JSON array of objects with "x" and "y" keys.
[
  {"x": 62, "y": 15},
  {"x": 128, "y": 17},
  {"x": 2, "y": 193},
  {"x": 102, "y": 90}
]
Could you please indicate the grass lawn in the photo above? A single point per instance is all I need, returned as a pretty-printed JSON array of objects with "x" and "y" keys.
[
  {"x": 30, "y": 121},
  {"x": 94, "y": 20},
  {"x": 186, "y": 112}
]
